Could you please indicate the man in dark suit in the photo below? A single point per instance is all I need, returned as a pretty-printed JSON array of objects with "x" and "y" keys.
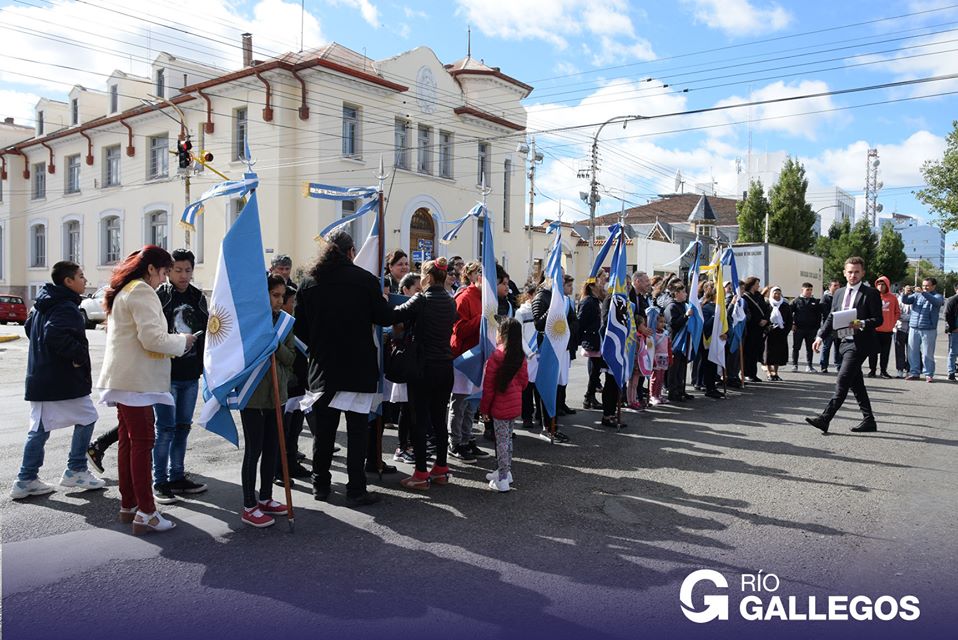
[{"x": 855, "y": 343}]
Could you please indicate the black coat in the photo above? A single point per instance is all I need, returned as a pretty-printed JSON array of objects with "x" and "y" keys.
[
  {"x": 58, "y": 363},
  {"x": 806, "y": 313},
  {"x": 951, "y": 314},
  {"x": 185, "y": 312},
  {"x": 433, "y": 312},
  {"x": 758, "y": 310},
  {"x": 335, "y": 313},
  {"x": 590, "y": 317},
  {"x": 869, "y": 311}
]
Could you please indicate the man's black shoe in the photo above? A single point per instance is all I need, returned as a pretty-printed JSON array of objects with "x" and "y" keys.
[
  {"x": 278, "y": 481},
  {"x": 751, "y": 379},
  {"x": 590, "y": 402},
  {"x": 823, "y": 370},
  {"x": 566, "y": 411},
  {"x": 951, "y": 377},
  {"x": 687, "y": 396},
  {"x": 321, "y": 493},
  {"x": 868, "y": 425},
  {"x": 870, "y": 374},
  {"x": 884, "y": 374},
  {"x": 362, "y": 500},
  {"x": 186, "y": 486},
  {"x": 819, "y": 423},
  {"x": 372, "y": 468},
  {"x": 95, "y": 456},
  {"x": 714, "y": 394},
  {"x": 299, "y": 471},
  {"x": 735, "y": 383}
]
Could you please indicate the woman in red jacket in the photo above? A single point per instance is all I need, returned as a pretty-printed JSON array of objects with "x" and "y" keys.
[{"x": 505, "y": 378}]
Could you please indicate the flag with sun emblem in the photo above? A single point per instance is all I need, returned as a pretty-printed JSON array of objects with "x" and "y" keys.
[
  {"x": 619, "y": 327},
  {"x": 553, "y": 352},
  {"x": 240, "y": 335}
]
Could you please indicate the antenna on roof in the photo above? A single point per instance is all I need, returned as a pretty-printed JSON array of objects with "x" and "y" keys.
[
  {"x": 468, "y": 41},
  {"x": 302, "y": 22}
]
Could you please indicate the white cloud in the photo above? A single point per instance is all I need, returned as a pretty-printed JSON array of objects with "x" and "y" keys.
[
  {"x": 66, "y": 37},
  {"x": 18, "y": 105},
  {"x": 559, "y": 21},
  {"x": 368, "y": 10},
  {"x": 739, "y": 17},
  {"x": 792, "y": 117},
  {"x": 411, "y": 13}
]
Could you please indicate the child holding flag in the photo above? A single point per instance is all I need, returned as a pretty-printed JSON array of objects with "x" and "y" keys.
[{"x": 505, "y": 377}]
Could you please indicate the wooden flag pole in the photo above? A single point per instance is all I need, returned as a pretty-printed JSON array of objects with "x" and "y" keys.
[
  {"x": 284, "y": 463},
  {"x": 380, "y": 465},
  {"x": 741, "y": 363}
]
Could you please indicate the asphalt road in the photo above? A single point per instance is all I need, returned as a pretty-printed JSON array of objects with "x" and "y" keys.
[{"x": 593, "y": 542}]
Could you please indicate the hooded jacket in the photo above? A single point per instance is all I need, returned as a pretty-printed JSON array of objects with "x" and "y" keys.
[
  {"x": 58, "y": 363},
  {"x": 890, "y": 309}
]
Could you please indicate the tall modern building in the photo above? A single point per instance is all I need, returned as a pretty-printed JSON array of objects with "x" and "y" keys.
[
  {"x": 831, "y": 205},
  {"x": 922, "y": 241}
]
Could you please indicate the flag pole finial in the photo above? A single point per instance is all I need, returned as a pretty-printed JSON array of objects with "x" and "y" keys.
[
  {"x": 382, "y": 175},
  {"x": 483, "y": 189}
]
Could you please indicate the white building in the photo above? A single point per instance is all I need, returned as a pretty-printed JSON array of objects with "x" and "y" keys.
[
  {"x": 922, "y": 241},
  {"x": 97, "y": 179},
  {"x": 831, "y": 205}
]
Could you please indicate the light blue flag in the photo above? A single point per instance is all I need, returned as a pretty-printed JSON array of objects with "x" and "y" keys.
[
  {"x": 227, "y": 188},
  {"x": 696, "y": 322},
  {"x": 603, "y": 252},
  {"x": 476, "y": 212},
  {"x": 615, "y": 344},
  {"x": 472, "y": 363},
  {"x": 738, "y": 308},
  {"x": 553, "y": 352},
  {"x": 240, "y": 335}
]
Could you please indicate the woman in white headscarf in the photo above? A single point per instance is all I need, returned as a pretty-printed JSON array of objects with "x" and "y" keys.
[{"x": 776, "y": 340}]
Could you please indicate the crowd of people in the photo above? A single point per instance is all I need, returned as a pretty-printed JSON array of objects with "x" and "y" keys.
[{"x": 328, "y": 369}]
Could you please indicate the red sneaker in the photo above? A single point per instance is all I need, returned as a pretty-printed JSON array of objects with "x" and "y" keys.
[
  {"x": 256, "y": 518},
  {"x": 273, "y": 508},
  {"x": 418, "y": 481},
  {"x": 440, "y": 475}
]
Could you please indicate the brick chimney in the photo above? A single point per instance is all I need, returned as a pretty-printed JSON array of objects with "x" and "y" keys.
[{"x": 247, "y": 49}]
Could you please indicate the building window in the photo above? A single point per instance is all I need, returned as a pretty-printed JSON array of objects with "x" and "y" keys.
[
  {"x": 445, "y": 154},
  {"x": 71, "y": 241},
  {"x": 74, "y": 112},
  {"x": 38, "y": 245},
  {"x": 349, "y": 208},
  {"x": 156, "y": 229},
  {"x": 161, "y": 83},
  {"x": 111, "y": 166},
  {"x": 240, "y": 131},
  {"x": 114, "y": 98},
  {"x": 424, "y": 140},
  {"x": 506, "y": 191},
  {"x": 159, "y": 157},
  {"x": 73, "y": 174},
  {"x": 111, "y": 240},
  {"x": 485, "y": 155},
  {"x": 350, "y": 131},
  {"x": 39, "y": 180},
  {"x": 235, "y": 207},
  {"x": 39, "y": 123},
  {"x": 402, "y": 144}
]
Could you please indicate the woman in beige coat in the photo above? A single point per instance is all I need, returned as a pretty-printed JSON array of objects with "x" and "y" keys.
[{"x": 136, "y": 375}]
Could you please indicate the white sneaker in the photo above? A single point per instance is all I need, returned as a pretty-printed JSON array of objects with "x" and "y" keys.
[
  {"x": 809, "y": 369},
  {"x": 36, "y": 487},
  {"x": 494, "y": 476},
  {"x": 502, "y": 486},
  {"x": 794, "y": 368},
  {"x": 81, "y": 480}
]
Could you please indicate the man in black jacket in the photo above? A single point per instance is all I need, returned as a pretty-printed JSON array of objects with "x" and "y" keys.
[
  {"x": 676, "y": 319},
  {"x": 951, "y": 328},
  {"x": 336, "y": 307},
  {"x": 58, "y": 382},
  {"x": 806, "y": 320},
  {"x": 855, "y": 342},
  {"x": 825, "y": 306}
]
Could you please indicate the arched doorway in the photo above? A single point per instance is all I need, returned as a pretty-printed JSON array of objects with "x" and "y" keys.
[{"x": 422, "y": 236}]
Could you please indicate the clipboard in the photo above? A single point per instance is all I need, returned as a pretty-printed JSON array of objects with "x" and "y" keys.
[{"x": 843, "y": 319}]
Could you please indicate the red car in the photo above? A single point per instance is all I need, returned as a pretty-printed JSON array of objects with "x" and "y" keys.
[{"x": 12, "y": 309}]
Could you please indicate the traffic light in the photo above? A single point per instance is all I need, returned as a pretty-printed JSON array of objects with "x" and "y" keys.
[{"x": 183, "y": 153}]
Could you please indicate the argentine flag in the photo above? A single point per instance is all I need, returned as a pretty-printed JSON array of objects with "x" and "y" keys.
[
  {"x": 738, "y": 308},
  {"x": 240, "y": 335},
  {"x": 615, "y": 345},
  {"x": 553, "y": 352},
  {"x": 472, "y": 363},
  {"x": 696, "y": 322}
]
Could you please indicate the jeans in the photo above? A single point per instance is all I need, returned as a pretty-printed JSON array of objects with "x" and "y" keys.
[
  {"x": 952, "y": 351},
  {"x": 172, "y": 430},
  {"x": 460, "y": 420},
  {"x": 33, "y": 451},
  {"x": 826, "y": 348},
  {"x": 921, "y": 344}
]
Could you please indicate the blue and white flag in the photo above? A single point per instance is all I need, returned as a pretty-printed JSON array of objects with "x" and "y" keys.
[
  {"x": 227, "y": 188},
  {"x": 371, "y": 259},
  {"x": 603, "y": 252},
  {"x": 240, "y": 335},
  {"x": 330, "y": 192},
  {"x": 737, "y": 329},
  {"x": 619, "y": 325},
  {"x": 472, "y": 363},
  {"x": 478, "y": 211},
  {"x": 554, "y": 352},
  {"x": 696, "y": 322}
]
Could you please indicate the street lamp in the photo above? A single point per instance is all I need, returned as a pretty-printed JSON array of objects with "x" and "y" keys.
[
  {"x": 535, "y": 157},
  {"x": 594, "y": 183}
]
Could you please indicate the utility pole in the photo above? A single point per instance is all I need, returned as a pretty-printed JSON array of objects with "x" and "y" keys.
[
  {"x": 872, "y": 186},
  {"x": 594, "y": 181},
  {"x": 534, "y": 157}
]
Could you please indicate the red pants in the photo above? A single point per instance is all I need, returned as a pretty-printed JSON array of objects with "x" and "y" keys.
[
  {"x": 658, "y": 378},
  {"x": 135, "y": 457}
]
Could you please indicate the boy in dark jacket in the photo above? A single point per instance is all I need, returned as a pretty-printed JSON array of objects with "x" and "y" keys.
[
  {"x": 186, "y": 311},
  {"x": 951, "y": 328},
  {"x": 58, "y": 382},
  {"x": 806, "y": 319}
]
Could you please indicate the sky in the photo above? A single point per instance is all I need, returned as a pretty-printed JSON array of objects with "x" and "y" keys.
[{"x": 588, "y": 62}]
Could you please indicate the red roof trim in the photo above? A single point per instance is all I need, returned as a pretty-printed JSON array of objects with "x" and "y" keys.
[
  {"x": 286, "y": 66},
  {"x": 472, "y": 111},
  {"x": 494, "y": 73}
]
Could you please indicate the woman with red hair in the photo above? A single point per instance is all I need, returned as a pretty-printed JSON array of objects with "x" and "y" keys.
[{"x": 136, "y": 375}]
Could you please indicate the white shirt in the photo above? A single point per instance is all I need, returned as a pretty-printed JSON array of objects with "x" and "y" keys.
[{"x": 58, "y": 414}]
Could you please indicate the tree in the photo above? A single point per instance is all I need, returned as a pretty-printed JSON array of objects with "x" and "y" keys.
[
  {"x": 833, "y": 249},
  {"x": 751, "y": 214},
  {"x": 791, "y": 219},
  {"x": 890, "y": 258},
  {"x": 863, "y": 242},
  {"x": 925, "y": 269},
  {"x": 941, "y": 176}
]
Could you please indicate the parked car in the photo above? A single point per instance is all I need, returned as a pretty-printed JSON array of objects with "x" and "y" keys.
[
  {"x": 91, "y": 308},
  {"x": 12, "y": 309}
]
